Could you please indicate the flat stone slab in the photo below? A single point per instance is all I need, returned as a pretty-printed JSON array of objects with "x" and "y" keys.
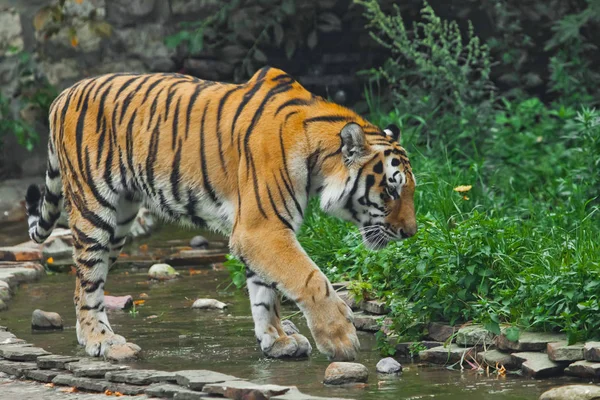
[
  {"x": 375, "y": 307},
  {"x": 529, "y": 341},
  {"x": 140, "y": 376},
  {"x": 15, "y": 368},
  {"x": 236, "y": 389},
  {"x": 347, "y": 297},
  {"x": 21, "y": 353},
  {"x": 584, "y": 369},
  {"x": 572, "y": 392},
  {"x": 55, "y": 361},
  {"x": 295, "y": 394},
  {"x": 14, "y": 276},
  {"x": 93, "y": 385},
  {"x": 339, "y": 373},
  {"x": 20, "y": 253},
  {"x": 193, "y": 395},
  {"x": 197, "y": 257},
  {"x": 495, "y": 357},
  {"x": 474, "y": 335},
  {"x": 537, "y": 365},
  {"x": 561, "y": 351},
  {"x": 166, "y": 390},
  {"x": 366, "y": 322},
  {"x": 197, "y": 379},
  {"x": 93, "y": 369},
  {"x": 42, "y": 375},
  {"x": 591, "y": 351},
  {"x": 453, "y": 353}
]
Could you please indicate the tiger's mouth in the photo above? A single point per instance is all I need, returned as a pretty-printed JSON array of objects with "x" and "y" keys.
[{"x": 375, "y": 238}]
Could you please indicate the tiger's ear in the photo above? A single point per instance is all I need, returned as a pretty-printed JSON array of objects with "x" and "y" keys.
[
  {"x": 353, "y": 142},
  {"x": 393, "y": 131}
]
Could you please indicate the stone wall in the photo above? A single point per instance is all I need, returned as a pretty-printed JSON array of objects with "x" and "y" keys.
[{"x": 68, "y": 40}]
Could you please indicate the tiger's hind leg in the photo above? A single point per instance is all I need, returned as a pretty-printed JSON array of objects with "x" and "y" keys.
[
  {"x": 273, "y": 341},
  {"x": 93, "y": 226},
  {"x": 127, "y": 210}
]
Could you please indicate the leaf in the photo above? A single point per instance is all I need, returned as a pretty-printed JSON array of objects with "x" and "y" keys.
[
  {"x": 463, "y": 188},
  {"x": 512, "y": 333},
  {"x": 493, "y": 327},
  {"x": 259, "y": 56},
  {"x": 290, "y": 48},
  {"x": 329, "y": 22},
  {"x": 278, "y": 33},
  {"x": 312, "y": 39},
  {"x": 288, "y": 7},
  {"x": 50, "y": 260}
]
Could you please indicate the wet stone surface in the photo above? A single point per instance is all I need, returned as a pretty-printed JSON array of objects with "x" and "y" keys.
[
  {"x": 561, "y": 351},
  {"x": 93, "y": 369},
  {"x": 537, "y": 365},
  {"x": 15, "y": 368},
  {"x": 446, "y": 355},
  {"x": 21, "y": 353},
  {"x": 165, "y": 390},
  {"x": 197, "y": 379},
  {"x": 584, "y": 369},
  {"x": 529, "y": 341},
  {"x": 237, "y": 389},
  {"x": 55, "y": 361},
  {"x": 42, "y": 375},
  {"x": 141, "y": 376},
  {"x": 339, "y": 373}
]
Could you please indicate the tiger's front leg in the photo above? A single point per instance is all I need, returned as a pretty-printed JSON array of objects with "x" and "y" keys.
[
  {"x": 276, "y": 256},
  {"x": 271, "y": 337}
]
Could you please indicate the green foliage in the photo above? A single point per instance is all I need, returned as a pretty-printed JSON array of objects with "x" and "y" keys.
[
  {"x": 237, "y": 271},
  {"x": 435, "y": 72},
  {"x": 9, "y": 125},
  {"x": 243, "y": 32}
]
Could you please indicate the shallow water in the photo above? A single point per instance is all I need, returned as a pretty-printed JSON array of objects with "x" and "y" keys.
[{"x": 175, "y": 337}]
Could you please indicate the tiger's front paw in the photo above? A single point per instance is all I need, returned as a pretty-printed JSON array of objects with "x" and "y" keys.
[
  {"x": 333, "y": 330},
  {"x": 112, "y": 347},
  {"x": 292, "y": 346}
]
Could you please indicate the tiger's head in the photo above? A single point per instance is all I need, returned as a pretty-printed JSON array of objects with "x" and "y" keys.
[{"x": 378, "y": 188}]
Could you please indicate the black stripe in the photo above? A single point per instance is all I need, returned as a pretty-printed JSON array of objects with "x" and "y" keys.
[
  {"x": 152, "y": 86},
  {"x": 52, "y": 198},
  {"x": 91, "y": 263},
  {"x": 90, "y": 287},
  {"x": 90, "y": 181},
  {"x": 175, "y": 175},
  {"x": 153, "y": 109},
  {"x": 129, "y": 145},
  {"x": 125, "y": 85},
  {"x": 205, "y": 178},
  {"x": 255, "y": 186},
  {"x": 152, "y": 153},
  {"x": 87, "y": 308},
  {"x": 79, "y": 130},
  {"x": 190, "y": 107},
  {"x": 247, "y": 97},
  {"x": 283, "y": 198},
  {"x": 281, "y": 218},
  {"x": 261, "y": 304},
  {"x": 294, "y": 102},
  {"x": 327, "y": 118},
  {"x": 175, "y": 124},
  {"x": 100, "y": 143}
]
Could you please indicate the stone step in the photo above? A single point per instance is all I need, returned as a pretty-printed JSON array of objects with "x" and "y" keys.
[
  {"x": 529, "y": 341},
  {"x": 451, "y": 354},
  {"x": 584, "y": 369},
  {"x": 474, "y": 335},
  {"x": 561, "y": 351},
  {"x": 196, "y": 379},
  {"x": 141, "y": 376},
  {"x": 16, "y": 368},
  {"x": 20, "y": 253},
  {"x": 21, "y": 353},
  {"x": 55, "y": 361},
  {"x": 591, "y": 351},
  {"x": 493, "y": 358},
  {"x": 366, "y": 322},
  {"x": 42, "y": 375},
  {"x": 93, "y": 368},
  {"x": 237, "y": 389},
  {"x": 376, "y": 307},
  {"x": 537, "y": 365}
]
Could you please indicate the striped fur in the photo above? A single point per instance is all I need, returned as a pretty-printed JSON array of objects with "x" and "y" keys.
[{"x": 241, "y": 159}]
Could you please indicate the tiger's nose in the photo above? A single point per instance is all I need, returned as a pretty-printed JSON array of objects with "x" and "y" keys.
[{"x": 408, "y": 231}]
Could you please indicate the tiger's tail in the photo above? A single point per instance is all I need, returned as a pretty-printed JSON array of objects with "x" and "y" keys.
[{"x": 43, "y": 209}]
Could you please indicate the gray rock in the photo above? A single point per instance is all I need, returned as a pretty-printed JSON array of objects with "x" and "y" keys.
[
  {"x": 118, "y": 302},
  {"x": 124, "y": 388},
  {"x": 166, "y": 390},
  {"x": 162, "y": 272},
  {"x": 192, "y": 395},
  {"x": 21, "y": 353},
  {"x": 529, "y": 341},
  {"x": 61, "y": 73},
  {"x": 93, "y": 385},
  {"x": 288, "y": 327},
  {"x": 388, "y": 366},
  {"x": 375, "y": 307},
  {"x": 366, "y": 322},
  {"x": 295, "y": 394},
  {"x": 93, "y": 369},
  {"x": 46, "y": 321},
  {"x": 16, "y": 368},
  {"x": 237, "y": 388},
  {"x": 186, "y": 9},
  {"x": 134, "y": 12},
  {"x": 537, "y": 365},
  {"x": 440, "y": 332},
  {"x": 5, "y": 293},
  {"x": 584, "y": 369},
  {"x": 338, "y": 373},
  {"x": 3, "y": 305},
  {"x": 494, "y": 357},
  {"x": 55, "y": 361},
  {"x": 58, "y": 249},
  {"x": 141, "y": 376},
  {"x": 199, "y": 242},
  {"x": 561, "y": 351},
  {"x": 474, "y": 335},
  {"x": 196, "y": 379},
  {"x": 11, "y": 32},
  {"x": 451, "y": 354},
  {"x": 572, "y": 392},
  {"x": 349, "y": 300},
  {"x": 210, "y": 304},
  {"x": 212, "y": 70},
  {"x": 591, "y": 351},
  {"x": 41, "y": 375}
]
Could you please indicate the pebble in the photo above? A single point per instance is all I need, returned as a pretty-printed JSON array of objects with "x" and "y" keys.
[
  {"x": 388, "y": 366},
  {"x": 572, "y": 392},
  {"x": 46, "y": 321},
  {"x": 199, "y": 242},
  {"x": 162, "y": 272},
  {"x": 209, "y": 304},
  {"x": 338, "y": 373}
]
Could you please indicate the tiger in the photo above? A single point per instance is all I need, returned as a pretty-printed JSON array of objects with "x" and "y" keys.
[{"x": 243, "y": 159}]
